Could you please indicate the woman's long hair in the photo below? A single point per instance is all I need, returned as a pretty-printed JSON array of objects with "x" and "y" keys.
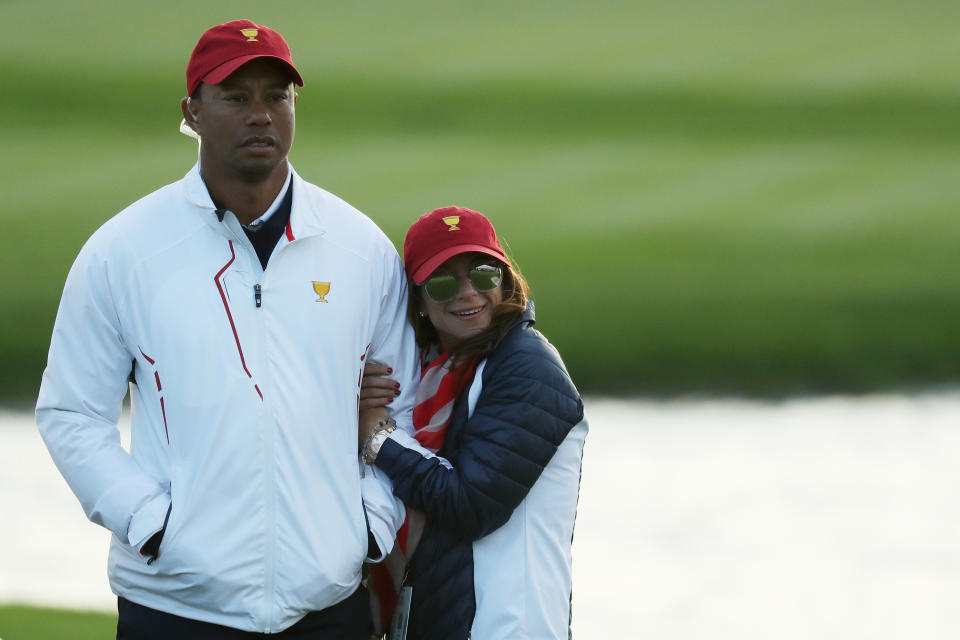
[{"x": 516, "y": 292}]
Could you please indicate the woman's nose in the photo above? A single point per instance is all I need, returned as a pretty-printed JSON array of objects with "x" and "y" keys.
[{"x": 465, "y": 288}]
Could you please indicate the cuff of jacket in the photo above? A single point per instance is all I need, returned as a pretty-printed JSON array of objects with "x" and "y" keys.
[
  {"x": 148, "y": 520},
  {"x": 407, "y": 441},
  {"x": 384, "y": 512}
]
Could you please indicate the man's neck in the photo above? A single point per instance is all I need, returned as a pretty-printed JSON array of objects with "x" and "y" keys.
[{"x": 247, "y": 200}]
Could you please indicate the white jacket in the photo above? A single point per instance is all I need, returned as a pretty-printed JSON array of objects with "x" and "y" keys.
[
  {"x": 523, "y": 571},
  {"x": 244, "y": 415}
]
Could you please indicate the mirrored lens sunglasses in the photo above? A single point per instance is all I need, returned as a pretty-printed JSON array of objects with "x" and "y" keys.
[{"x": 444, "y": 288}]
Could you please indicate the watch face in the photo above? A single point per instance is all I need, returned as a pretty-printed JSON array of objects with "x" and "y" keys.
[{"x": 375, "y": 441}]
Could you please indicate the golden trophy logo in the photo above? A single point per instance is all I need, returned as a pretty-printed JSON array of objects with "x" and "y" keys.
[
  {"x": 452, "y": 222},
  {"x": 321, "y": 289},
  {"x": 250, "y": 34}
]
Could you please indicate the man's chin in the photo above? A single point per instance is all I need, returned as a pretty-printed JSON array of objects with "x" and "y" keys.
[{"x": 260, "y": 171}]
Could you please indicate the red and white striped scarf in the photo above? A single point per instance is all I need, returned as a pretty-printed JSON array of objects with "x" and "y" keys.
[{"x": 440, "y": 385}]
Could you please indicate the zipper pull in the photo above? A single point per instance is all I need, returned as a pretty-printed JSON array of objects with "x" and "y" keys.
[{"x": 256, "y": 295}]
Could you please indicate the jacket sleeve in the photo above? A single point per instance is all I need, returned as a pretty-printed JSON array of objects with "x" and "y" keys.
[
  {"x": 80, "y": 400},
  {"x": 392, "y": 343},
  {"x": 385, "y": 512},
  {"x": 527, "y": 407}
]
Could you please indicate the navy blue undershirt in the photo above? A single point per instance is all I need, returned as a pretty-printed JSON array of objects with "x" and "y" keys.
[{"x": 265, "y": 238}]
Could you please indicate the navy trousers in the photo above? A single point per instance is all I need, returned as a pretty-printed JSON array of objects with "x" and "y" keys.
[{"x": 346, "y": 620}]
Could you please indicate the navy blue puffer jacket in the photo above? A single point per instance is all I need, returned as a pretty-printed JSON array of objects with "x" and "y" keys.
[{"x": 526, "y": 407}]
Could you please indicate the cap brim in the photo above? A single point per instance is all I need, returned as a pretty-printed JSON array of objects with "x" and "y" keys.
[
  {"x": 221, "y": 73},
  {"x": 423, "y": 271}
]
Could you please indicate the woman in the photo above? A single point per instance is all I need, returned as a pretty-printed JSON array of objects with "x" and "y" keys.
[{"x": 497, "y": 406}]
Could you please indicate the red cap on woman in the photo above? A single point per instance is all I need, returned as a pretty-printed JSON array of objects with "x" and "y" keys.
[{"x": 443, "y": 233}]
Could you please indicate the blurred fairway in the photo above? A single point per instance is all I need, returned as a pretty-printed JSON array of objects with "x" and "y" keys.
[
  {"x": 19, "y": 622},
  {"x": 747, "y": 197}
]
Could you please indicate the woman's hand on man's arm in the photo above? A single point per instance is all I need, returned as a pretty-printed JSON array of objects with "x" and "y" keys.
[
  {"x": 377, "y": 390},
  {"x": 376, "y": 393}
]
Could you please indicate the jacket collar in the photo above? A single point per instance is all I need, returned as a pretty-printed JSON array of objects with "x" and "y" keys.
[
  {"x": 305, "y": 211},
  {"x": 526, "y": 320},
  {"x": 529, "y": 315},
  {"x": 196, "y": 189}
]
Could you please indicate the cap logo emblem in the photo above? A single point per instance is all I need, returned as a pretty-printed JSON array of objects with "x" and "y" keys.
[
  {"x": 452, "y": 222},
  {"x": 321, "y": 289},
  {"x": 251, "y": 36}
]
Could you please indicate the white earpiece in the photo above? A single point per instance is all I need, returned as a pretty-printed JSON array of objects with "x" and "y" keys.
[{"x": 193, "y": 116}]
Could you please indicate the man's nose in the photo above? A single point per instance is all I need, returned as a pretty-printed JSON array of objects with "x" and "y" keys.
[{"x": 259, "y": 114}]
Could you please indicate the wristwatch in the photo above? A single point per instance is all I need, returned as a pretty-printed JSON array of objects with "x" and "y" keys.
[{"x": 376, "y": 439}]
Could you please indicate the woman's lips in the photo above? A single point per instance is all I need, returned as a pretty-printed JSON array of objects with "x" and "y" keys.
[{"x": 469, "y": 313}]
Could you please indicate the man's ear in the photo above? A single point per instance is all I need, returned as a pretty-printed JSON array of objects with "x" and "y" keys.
[{"x": 190, "y": 113}]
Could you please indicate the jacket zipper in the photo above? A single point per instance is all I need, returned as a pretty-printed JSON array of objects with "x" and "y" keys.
[
  {"x": 269, "y": 484},
  {"x": 269, "y": 432},
  {"x": 268, "y": 470}
]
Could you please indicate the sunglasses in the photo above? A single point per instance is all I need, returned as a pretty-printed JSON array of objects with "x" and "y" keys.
[{"x": 444, "y": 288}]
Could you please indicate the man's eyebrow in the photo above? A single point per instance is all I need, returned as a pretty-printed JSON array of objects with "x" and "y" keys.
[{"x": 227, "y": 85}]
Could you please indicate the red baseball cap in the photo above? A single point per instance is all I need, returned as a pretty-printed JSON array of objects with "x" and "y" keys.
[
  {"x": 224, "y": 48},
  {"x": 443, "y": 233}
]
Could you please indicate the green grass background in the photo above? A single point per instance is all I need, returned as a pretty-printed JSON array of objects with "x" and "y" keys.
[
  {"x": 749, "y": 197},
  {"x": 41, "y": 623}
]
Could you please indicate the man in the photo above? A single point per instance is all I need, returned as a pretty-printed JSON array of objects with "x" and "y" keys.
[{"x": 242, "y": 302}]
